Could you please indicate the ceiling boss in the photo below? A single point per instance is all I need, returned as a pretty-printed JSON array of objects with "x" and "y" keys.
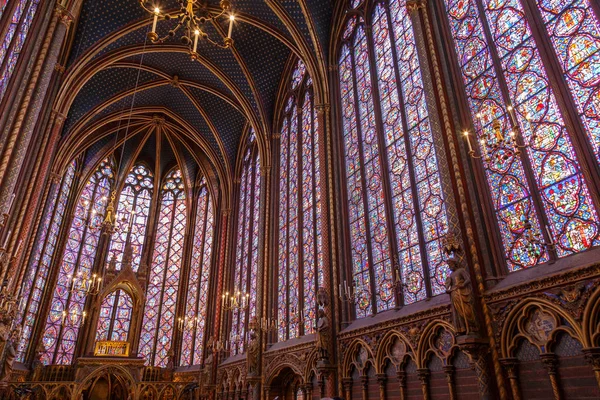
[{"x": 191, "y": 18}]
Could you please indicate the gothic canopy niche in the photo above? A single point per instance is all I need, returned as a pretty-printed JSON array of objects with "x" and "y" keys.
[{"x": 211, "y": 102}]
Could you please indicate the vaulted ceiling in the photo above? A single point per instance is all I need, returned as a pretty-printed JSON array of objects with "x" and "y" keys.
[{"x": 213, "y": 102}]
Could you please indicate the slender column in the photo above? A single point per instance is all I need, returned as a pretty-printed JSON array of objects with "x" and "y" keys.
[
  {"x": 364, "y": 380},
  {"x": 511, "y": 365},
  {"x": 477, "y": 350},
  {"x": 420, "y": 17},
  {"x": 323, "y": 114},
  {"x": 592, "y": 356},
  {"x": 551, "y": 363},
  {"x": 308, "y": 391},
  {"x": 423, "y": 374},
  {"x": 22, "y": 128},
  {"x": 381, "y": 380},
  {"x": 347, "y": 383},
  {"x": 449, "y": 371},
  {"x": 267, "y": 390},
  {"x": 402, "y": 381}
]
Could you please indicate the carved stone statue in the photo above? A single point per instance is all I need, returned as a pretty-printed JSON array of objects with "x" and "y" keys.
[
  {"x": 323, "y": 325},
  {"x": 323, "y": 334},
  {"x": 253, "y": 349},
  {"x": 458, "y": 285},
  {"x": 37, "y": 365},
  {"x": 10, "y": 353}
]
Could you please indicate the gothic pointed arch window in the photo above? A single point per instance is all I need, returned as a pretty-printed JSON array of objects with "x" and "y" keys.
[
  {"x": 508, "y": 54},
  {"x": 45, "y": 245},
  {"x": 246, "y": 256},
  {"x": 134, "y": 202},
  {"x": 299, "y": 251},
  {"x": 194, "y": 320},
  {"x": 397, "y": 209},
  {"x": 23, "y": 13},
  {"x": 167, "y": 260},
  {"x": 67, "y": 305},
  {"x": 115, "y": 316}
]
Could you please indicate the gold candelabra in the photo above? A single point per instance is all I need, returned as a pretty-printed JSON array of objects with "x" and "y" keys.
[
  {"x": 191, "y": 18},
  {"x": 237, "y": 301}
]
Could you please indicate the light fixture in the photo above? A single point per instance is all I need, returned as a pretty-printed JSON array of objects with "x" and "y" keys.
[
  {"x": 498, "y": 147},
  {"x": 237, "y": 301},
  {"x": 84, "y": 284},
  {"x": 355, "y": 293},
  {"x": 191, "y": 18}
]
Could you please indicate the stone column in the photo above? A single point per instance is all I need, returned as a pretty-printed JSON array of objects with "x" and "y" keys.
[
  {"x": 477, "y": 350},
  {"x": 511, "y": 365},
  {"x": 381, "y": 380},
  {"x": 427, "y": 46},
  {"x": 449, "y": 371},
  {"x": 592, "y": 356},
  {"x": 364, "y": 380},
  {"x": 347, "y": 383},
  {"x": 423, "y": 374},
  {"x": 550, "y": 361},
  {"x": 402, "y": 381}
]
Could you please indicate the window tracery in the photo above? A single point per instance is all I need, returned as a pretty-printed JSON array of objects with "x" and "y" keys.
[
  {"x": 396, "y": 207},
  {"x": 299, "y": 250},
  {"x": 46, "y": 243},
  {"x": 246, "y": 261},
  {"x": 541, "y": 192},
  {"x": 194, "y": 322},
  {"x": 161, "y": 296},
  {"x": 115, "y": 316},
  {"x": 62, "y": 329},
  {"x": 13, "y": 41},
  {"x": 135, "y": 196}
]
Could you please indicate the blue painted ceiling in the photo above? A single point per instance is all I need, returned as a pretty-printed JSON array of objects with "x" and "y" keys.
[{"x": 252, "y": 71}]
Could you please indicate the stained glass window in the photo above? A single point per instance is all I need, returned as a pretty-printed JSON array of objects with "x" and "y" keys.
[
  {"x": 135, "y": 196},
  {"x": 161, "y": 296},
  {"x": 12, "y": 43},
  {"x": 392, "y": 174},
  {"x": 36, "y": 276},
  {"x": 299, "y": 210},
  {"x": 507, "y": 84},
  {"x": 115, "y": 317},
  {"x": 62, "y": 329},
  {"x": 246, "y": 261},
  {"x": 194, "y": 321}
]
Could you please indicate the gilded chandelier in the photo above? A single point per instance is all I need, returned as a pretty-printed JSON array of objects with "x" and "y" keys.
[{"x": 191, "y": 18}]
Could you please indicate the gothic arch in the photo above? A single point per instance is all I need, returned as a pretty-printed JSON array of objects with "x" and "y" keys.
[
  {"x": 395, "y": 348},
  {"x": 114, "y": 370},
  {"x": 359, "y": 356},
  {"x": 428, "y": 345},
  {"x": 591, "y": 320},
  {"x": 539, "y": 321}
]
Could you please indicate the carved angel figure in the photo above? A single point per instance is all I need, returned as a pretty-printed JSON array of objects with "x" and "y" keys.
[{"x": 458, "y": 285}]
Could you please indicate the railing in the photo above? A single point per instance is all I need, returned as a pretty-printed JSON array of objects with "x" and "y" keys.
[
  {"x": 56, "y": 373},
  {"x": 153, "y": 374},
  {"x": 109, "y": 348}
]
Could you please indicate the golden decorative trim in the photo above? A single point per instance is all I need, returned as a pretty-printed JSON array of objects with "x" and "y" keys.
[{"x": 108, "y": 348}]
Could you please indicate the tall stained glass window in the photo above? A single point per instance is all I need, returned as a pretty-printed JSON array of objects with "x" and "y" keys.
[
  {"x": 194, "y": 321},
  {"x": 62, "y": 329},
  {"x": 12, "y": 43},
  {"x": 135, "y": 196},
  {"x": 114, "y": 320},
  {"x": 299, "y": 210},
  {"x": 541, "y": 191},
  {"x": 36, "y": 276},
  {"x": 246, "y": 257},
  {"x": 396, "y": 206},
  {"x": 161, "y": 296}
]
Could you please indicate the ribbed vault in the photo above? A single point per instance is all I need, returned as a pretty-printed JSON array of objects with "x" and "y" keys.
[{"x": 208, "y": 106}]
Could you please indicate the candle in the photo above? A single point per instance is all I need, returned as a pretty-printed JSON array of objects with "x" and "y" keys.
[
  {"x": 5, "y": 245},
  {"x": 482, "y": 141},
  {"x": 466, "y": 133},
  {"x": 231, "y": 19},
  {"x": 156, "y": 12},
  {"x": 397, "y": 276},
  {"x": 196, "y": 33}
]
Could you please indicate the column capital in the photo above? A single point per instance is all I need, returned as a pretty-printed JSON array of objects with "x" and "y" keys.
[
  {"x": 415, "y": 5},
  {"x": 323, "y": 107}
]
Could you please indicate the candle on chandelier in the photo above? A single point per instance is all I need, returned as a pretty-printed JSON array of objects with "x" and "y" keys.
[
  {"x": 155, "y": 21},
  {"x": 231, "y": 19},
  {"x": 196, "y": 34},
  {"x": 466, "y": 133}
]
